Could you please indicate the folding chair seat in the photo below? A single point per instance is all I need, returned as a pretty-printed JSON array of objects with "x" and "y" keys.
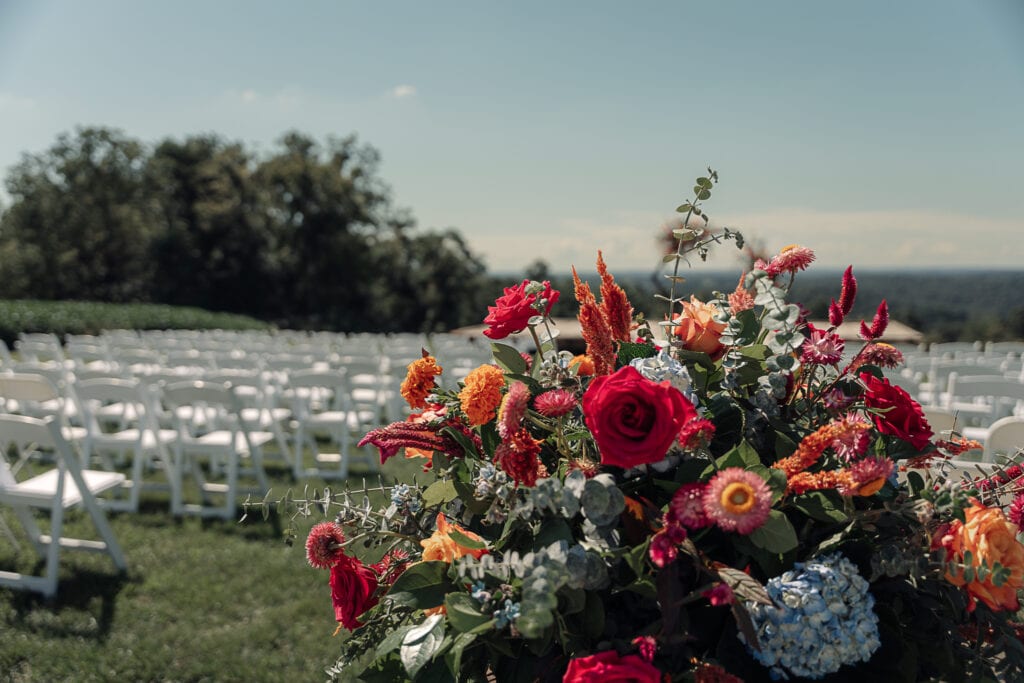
[
  {"x": 34, "y": 394},
  {"x": 67, "y": 485},
  {"x": 260, "y": 410},
  {"x": 323, "y": 405},
  {"x": 217, "y": 439},
  {"x": 137, "y": 435}
]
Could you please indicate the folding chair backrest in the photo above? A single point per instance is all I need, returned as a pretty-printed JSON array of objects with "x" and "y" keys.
[{"x": 1005, "y": 438}]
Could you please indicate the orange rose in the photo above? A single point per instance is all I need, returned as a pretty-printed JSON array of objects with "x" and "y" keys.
[
  {"x": 990, "y": 538},
  {"x": 698, "y": 329},
  {"x": 585, "y": 363},
  {"x": 440, "y": 546}
]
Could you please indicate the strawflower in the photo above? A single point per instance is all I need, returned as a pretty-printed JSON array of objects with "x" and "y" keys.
[
  {"x": 737, "y": 500},
  {"x": 823, "y": 347},
  {"x": 555, "y": 403}
]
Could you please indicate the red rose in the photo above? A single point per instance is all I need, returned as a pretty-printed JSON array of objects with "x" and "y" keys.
[
  {"x": 353, "y": 586},
  {"x": 609, "y": 667},
  {"x": 512, "y": 311},
  {"x": 633, "y": 419},
  {"x": 902, "y": 416}
]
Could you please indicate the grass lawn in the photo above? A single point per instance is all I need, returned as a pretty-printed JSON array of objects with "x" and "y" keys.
[{"x": 202, "y": 600}]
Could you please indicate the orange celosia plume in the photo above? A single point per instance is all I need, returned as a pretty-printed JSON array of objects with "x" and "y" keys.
[
  {"x": 596, "y": 331},
  {"x": 615, "y": 305}
]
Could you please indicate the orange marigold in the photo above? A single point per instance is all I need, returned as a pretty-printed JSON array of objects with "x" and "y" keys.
[
  {"x": 481, "y": 395},
  {"x": 419, "y": 381}
]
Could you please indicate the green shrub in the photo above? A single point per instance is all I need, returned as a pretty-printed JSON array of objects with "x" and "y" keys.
[{"x": 90, "y": 317}]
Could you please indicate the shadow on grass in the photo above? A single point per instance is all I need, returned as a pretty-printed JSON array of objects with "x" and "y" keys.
[{"x": 91, "y": 594}]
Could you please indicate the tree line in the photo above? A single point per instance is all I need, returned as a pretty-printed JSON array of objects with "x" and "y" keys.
[{"x": 305, "y": 236}]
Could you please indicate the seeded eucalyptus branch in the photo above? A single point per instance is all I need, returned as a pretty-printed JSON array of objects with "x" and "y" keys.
[{"x": 691, "y": 239}]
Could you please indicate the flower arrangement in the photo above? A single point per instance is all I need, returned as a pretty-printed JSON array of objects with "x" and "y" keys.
[{"x": 726, "y": 495}]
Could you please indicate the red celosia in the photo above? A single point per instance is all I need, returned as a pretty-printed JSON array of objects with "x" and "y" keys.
[
  {"x": 517, "y": 456},
  {"x": 421, "y": 435},
  {"x": 615, "y": 306},
  {"x": 594, "y": 328},
  {"x": 878, "y": 323},
  {"x": 837, "y": 312}
]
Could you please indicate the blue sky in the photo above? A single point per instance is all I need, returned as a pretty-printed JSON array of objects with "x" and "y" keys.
[{"x": 878, "y": 133}]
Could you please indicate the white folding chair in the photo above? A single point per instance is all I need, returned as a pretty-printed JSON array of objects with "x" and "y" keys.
[
  {"x": 1005, "y": 439},
  {"x": 323, "y": 405},
  {"x": 259, "y": 405},
  {"x": 217, "y": 439},
  {"x": 62, "y": 487},
  {"x": 36, "y": 395},
  {"x": 136, "y": 435}
]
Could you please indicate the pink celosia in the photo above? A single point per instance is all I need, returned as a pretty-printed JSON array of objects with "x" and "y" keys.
[
  {"x": 555, "y": 403},
  {"x": 397, "y": 435},
  {"x": 323, "y": 545},
  {"x": 513, "y": 409},
  {"x": 823, "y": 347},
  {"x": 837, "y": 311},
  {"x": 878, "y": 323},
  {"x": 737, "y": 500}
]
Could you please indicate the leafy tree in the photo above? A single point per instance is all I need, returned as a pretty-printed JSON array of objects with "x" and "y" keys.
[
  {"x": 215, "y": 249},
  {"x": 79, "y": 223}
]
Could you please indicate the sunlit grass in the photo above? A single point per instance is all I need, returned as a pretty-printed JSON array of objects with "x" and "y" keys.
[{"x": 202, "y": 600}]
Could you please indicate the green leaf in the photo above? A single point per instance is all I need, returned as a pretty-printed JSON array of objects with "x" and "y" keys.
[
  {"x": 744, "y": 585},
  {"x": 704, "y": 194},
  {"x": 824, "y": 506},
  {"x": 392, "y": 641},
  {"x": 683, "y": 208},
  {"x": 454, "y": 656},
  {"x": 460, "y": 438},
  {"x": 422, "y": 586},
  {"x": 916, "y": 482},
  {"x": 776, "y": 535},
  {"x": 466, "y": 493},
  {"x": 631, "y": 350},
  {"x": 573, "y": 600},
  {"x": 421, "y": 643},
  {"x": 464, "y": 540},
  {"x": 508, "y": 358},
  {"x": 704, "y": 183},
  {"x": 464, "y": 612},
  {"x": 441, "y": 491},
  {"x": 552, "y": 531},
  {"x": 743, "y": 455}
]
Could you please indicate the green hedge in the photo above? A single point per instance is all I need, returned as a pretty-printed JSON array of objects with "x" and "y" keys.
[{"x": 90, "y": 317}]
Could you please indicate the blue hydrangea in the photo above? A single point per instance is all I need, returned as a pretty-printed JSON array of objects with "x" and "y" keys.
[{"x": 823, "y": 618}]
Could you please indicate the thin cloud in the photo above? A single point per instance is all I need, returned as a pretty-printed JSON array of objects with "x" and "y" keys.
[
  {"x": 10, "y": 102},
  {"x": 401, "y": 92}
]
